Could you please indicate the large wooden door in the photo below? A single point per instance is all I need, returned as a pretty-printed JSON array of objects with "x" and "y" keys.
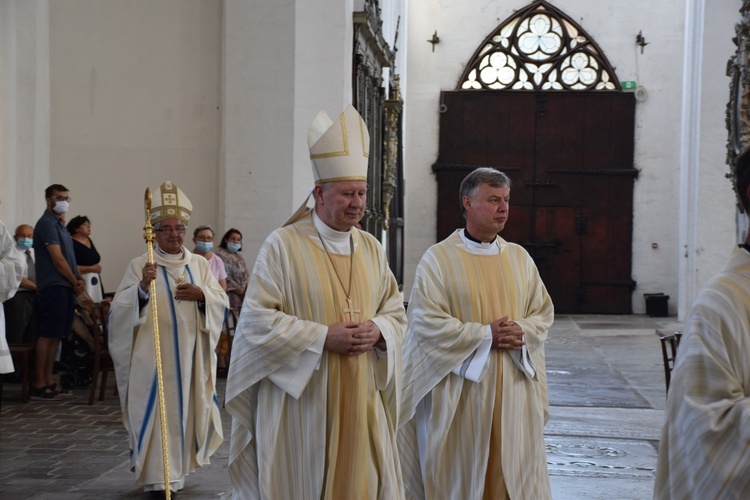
[{"x": 570, "y": 157}]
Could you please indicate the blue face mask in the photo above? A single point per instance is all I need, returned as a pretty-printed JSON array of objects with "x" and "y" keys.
[
  {"x": 204, "y": 246},
  {"x": 234, "y": 247},
  {"x": 25, "y": 243}
]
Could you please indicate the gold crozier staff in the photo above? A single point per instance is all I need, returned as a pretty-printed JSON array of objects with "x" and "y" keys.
[{"x": 150, "y": 237}]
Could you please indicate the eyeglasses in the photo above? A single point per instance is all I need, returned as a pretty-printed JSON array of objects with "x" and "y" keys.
[
  {"x": 204, "y": 238},
  {"x": 60, "y": 198},
  {"x": 170, "y": 230}
]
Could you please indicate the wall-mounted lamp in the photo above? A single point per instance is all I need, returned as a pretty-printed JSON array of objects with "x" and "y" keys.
[
  {"x": 434, "y": 40},
  {"x": 641, "y": 40}
]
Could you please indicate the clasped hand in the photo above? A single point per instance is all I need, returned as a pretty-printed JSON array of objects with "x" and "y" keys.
[
  {"x": 352, "y": 338},
  {"x": 506, "y": 335},
  {"x": 185, "y": 291}
]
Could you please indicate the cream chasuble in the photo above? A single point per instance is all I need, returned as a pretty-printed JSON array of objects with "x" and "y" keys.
[
  {"x": 331, "y": 432},
  {"x": 705, "y": 443},
  {"x": 476, "y": 439},
  {"x": 188, "y": 341}
]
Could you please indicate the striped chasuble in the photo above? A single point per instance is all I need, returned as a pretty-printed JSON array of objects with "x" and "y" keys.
[
  {"x": 480, "y": 439},
  {"x": 337, "y": 439},
  {"x": 705, "y": 444}
]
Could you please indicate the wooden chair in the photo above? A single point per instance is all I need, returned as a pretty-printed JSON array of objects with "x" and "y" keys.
[
  {"x": 102, "y": 359},
  {"x": 669, "y": 345},
  {"x": 23, "y": 356},
  {"x": 224, "y": 349}
]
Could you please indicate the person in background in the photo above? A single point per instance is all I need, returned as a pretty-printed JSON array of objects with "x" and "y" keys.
[
  {"x": 203, "y": 238},
  {"x": 703, "y": 452},
  {"x": 87, "y": 258},
  {"x": 237, "y": 274},
  {"x": 474, "y": 400},
  {"x": 12, "y": 267},
  {"x": 190, "y": 312},
  {"x": 19, "y": 310},
  {"x": 236, "y": 278},
  {"x": 58, "y": 283}
]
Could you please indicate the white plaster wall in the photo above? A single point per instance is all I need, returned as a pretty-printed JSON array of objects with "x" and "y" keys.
[
  {"x": 135, "y": 98},
  {"x": 24, "y": 110},
  {"x": 614, "y": 26}
]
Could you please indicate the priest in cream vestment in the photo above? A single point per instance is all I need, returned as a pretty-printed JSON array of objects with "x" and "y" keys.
[
  {"x": 474, "y": 400},
  {"x": 314, "y": 379},
  {"x": 705, "y": 443},
  {"x": 191, "y": 309}
]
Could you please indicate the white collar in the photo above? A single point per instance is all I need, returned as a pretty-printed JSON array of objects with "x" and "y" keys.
[
  {"x": 337, "y": 241},
  {"x": 491, "y": 248},
  {"x": 169, "y": 256}
]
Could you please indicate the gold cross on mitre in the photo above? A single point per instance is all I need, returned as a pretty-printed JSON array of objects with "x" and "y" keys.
[{"x": 174, "y": 204}]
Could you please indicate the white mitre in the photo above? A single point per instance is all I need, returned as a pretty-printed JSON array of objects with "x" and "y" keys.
[
  {"x": 170, "y": 203},
  {"x": 339, "y": 151}
]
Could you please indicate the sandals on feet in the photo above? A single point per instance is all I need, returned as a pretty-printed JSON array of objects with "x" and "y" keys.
[
  {"x": 60, "y": 390},
  {"x": 45, "y": 394}
]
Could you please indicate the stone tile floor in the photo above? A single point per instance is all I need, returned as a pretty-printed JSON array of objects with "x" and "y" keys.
[{"x": 606, "y": 389}]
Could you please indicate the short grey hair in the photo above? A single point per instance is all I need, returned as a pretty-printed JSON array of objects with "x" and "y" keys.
[
  {"x": 482, "y": 175},
  {"x": 203, "y": 228}
]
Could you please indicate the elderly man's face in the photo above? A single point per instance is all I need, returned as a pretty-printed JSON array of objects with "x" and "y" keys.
[
  {"x": 341, "y": 205},
  {"x": 170, "y": 235}
]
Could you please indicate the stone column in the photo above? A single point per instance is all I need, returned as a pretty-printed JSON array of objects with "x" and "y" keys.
[{"x": 24, "y": 110}]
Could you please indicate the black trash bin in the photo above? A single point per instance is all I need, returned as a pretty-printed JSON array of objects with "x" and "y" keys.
[{"x": 657, "y": 305}]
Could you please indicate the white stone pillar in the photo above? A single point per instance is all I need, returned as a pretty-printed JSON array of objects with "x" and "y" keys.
[
  {"x": 24, "y": 109},
  {"x": 689, "y": 154},
  {"x": 284, "y": 60}
]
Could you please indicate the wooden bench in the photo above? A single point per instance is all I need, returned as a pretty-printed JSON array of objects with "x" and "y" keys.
[{"x": 23, "y": 356}]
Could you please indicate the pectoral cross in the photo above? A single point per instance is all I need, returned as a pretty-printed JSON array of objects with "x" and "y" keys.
[{"x": 350, "y": 310}]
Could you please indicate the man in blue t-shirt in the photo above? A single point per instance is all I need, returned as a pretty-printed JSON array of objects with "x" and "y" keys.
[{"x": 58, "y": 282}]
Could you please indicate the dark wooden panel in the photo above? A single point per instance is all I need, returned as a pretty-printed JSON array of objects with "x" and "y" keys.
[
  {"x": 557, "y": 254},
  {"x": 570, "y": 157},
  {"x": 520, "y": 225},
  {"x": 448, "y": 208}
]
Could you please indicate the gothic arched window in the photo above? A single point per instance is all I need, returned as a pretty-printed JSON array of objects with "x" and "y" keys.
[{"x": 539, "y": 48}]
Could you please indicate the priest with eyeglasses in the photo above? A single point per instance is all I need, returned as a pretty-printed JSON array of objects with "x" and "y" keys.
[{"x": 191, "y": 310}]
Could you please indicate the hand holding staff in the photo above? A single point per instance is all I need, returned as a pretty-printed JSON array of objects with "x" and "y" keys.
[{"x": 150, "y": 236}]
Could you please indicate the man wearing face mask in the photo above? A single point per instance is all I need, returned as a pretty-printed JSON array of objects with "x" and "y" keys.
[
  {"x": 58, "y": 282},
  {"x": 19, "y": 321}
]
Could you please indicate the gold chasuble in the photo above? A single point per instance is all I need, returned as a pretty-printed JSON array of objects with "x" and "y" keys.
[
  {"x": 329, "y": 430},
  {"x": 461, "y": 438}
]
